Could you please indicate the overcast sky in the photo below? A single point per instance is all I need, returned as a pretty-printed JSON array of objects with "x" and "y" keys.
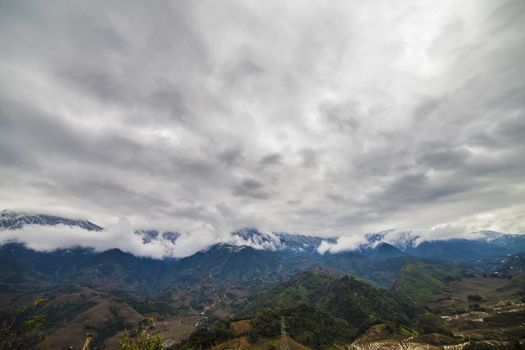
[{"x": 319, "y": 117}]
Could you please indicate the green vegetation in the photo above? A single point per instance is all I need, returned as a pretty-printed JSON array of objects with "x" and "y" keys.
[
  {"x": 20, "y": 330},
  {"x": 474, "y": 298},
  {"x": 320, "y": 310},
  {"x": 198, "y": 299},
  {"x": 303, "y": 288},
  {"x": 430, "y": 323},
  {"x": 346, "y": 298},
  {"x": 144, "y": 341},
  {"x": 109, "y": 328},
  {"x": 59, "y": 313},
  {"x": 422, "y": 282},
  {"x": 482, "y": 345},
  {"x": 205, "y": 337},
  {"x": 304, "y": 324},
  {"x": 150, "y": 306}
]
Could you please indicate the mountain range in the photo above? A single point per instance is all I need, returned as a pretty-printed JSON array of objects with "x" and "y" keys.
[
  {"x": 394, "y": 276},
  {"x": 248, "y": 255},
  {"x": 377, "y": 246}
]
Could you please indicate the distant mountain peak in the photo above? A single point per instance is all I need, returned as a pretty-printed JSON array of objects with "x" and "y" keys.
[
  {"x": 276, "y": 240},
  {"x": 376, "y": 237},
  {"x": 229, "y": 247},
  {"x": 401, "y": 240},
  {"x": 224, "y": 247},
  {"x": 489, "y": 235},
  {"x": 11, "y": 220},
  {"x": 150, "y": 236},
  {"x": 252, "y": 237}
]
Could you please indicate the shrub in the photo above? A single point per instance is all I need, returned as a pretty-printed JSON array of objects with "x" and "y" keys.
[
  {"x": 474, "y": 298},
  {"x": 144, "y": 341}
]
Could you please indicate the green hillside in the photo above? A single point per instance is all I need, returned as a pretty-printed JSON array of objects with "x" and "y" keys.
[
  {"x": 422, "y": 282},
  {"x": 320, "y": 310},
  {"x": 347, "y": 298}
]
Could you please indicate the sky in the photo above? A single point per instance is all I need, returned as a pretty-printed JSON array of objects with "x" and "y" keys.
[{"x": 317, "y": 117}]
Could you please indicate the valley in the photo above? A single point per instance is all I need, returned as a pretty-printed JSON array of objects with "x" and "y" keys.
[{"x": 234, "y": 296}]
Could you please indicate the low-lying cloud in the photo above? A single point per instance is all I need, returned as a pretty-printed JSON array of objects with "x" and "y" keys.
[
  {"x": 124, "y": 236},
  {"x": 119, "y": 235},
  {"x": 342, "y": 244}
]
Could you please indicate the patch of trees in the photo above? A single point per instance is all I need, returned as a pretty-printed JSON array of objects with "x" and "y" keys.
[
  {"x": 57, "y": 314},
  {"x": 143, "y": 338},
  {"x": 430, "y": 323},
  {"x": 148, "y": 306},
  {"x": 205, "y": 337},
  {"x": 114, "y": 324},
  {"x": 474, "y": 298},
  {"x": 307, "y": 325},
  {"x": 22, "y": 328},
  {"x": 198, "y": 300},
  {"x": 482, "y": 345}
]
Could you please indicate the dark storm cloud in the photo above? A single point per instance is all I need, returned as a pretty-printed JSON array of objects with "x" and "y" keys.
[
  {"x": 111, "y": 194},
  {"x": 437, "y": 157},
  {"x": 342, "y": 116},
  {"x": 414, "y": 189},
  {"x": 426, "y": 108},
  {"x": 323, "y": 118},
  {"x": 231, "y": 157},
  {"x": 97, "y": 83},
  {"x": 506, "y": 133},
  {"x": 250, "y": 188},
  {"x": 271, "y": 159},
  {"x": 309, "y": 157}
]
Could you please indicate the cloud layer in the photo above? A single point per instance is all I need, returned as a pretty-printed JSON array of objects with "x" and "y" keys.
[
  {"x": 120, "y": 235},
  {"x": 324, "y": 118}
]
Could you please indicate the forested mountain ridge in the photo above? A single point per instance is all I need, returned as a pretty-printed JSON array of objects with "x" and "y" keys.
[{"x": 257, "y": 278}]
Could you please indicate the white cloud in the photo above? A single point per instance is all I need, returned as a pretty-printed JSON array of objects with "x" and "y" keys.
[
  {"x": 119, "y": 235},
  {"x": 263, "y": 240},
  {"x": 344, "y": 243}
]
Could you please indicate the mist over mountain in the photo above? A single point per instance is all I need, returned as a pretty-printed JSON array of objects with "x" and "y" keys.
[
  {"x": 255, "y": 276},
  {"x": 46, "y": 233},
  {"x": 12, "y": 220}
]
